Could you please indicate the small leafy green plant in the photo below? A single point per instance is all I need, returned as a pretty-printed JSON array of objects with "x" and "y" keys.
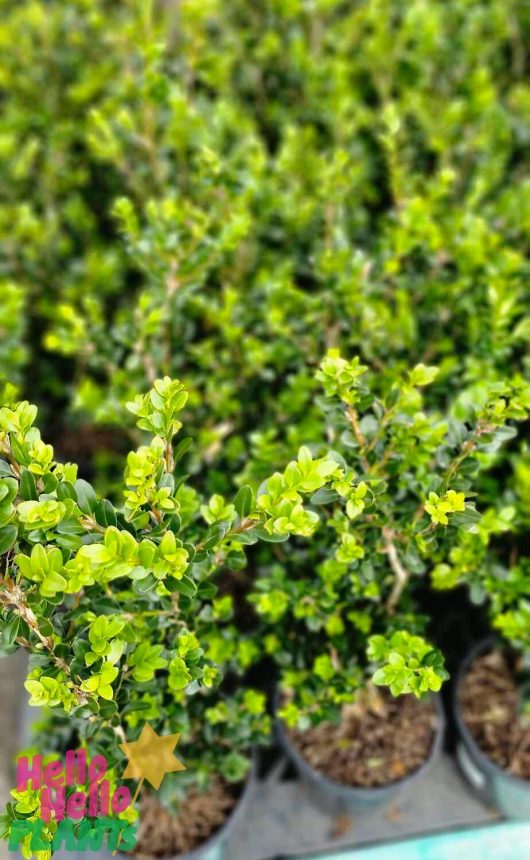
[
  {"x": 345, "y": 610},
  {"x": 117, "y": 606}
]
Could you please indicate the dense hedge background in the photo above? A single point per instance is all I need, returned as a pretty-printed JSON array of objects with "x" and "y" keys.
[{"x": 223, "y": 190}]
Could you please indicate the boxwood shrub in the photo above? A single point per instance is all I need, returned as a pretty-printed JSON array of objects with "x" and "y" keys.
[{"x": 118, "y": 607}]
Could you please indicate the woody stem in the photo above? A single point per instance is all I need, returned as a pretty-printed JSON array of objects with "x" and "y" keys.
[{"x": 401, "y": 574}]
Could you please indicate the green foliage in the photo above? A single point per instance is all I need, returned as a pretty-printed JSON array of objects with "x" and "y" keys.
[
  {"x": 408, "y": 664},
  {"x": 226, "y": 194},
  {"x": 231, "y": 195},
  {"x": 157, "y": 410},
  {"x": 117, "y": 606},
  {"x": 479, "y": 561},
  {"x": 202, "y": 198},
  {"x": 13, "y": 352},
  {"x": 343, "y": 610}
]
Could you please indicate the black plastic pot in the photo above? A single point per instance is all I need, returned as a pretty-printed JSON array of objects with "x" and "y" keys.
[
  {"x": 509, "y": 794},
  {"x": 338, "y": 799},
  {"x": 218, "y": 846},
  {"x": 215, "y": 848}
]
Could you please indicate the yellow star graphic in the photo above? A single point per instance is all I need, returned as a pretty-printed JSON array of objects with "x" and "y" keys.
[{"x": 151, "y": 757}]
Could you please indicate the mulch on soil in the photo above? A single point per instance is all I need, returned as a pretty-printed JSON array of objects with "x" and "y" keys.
[
  {"x": 162, "y": 834},
  {"x": 491, "y": 708},
  {"x": 371, "y": 747}
]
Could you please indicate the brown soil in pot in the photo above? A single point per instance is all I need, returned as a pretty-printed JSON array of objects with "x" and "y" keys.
[
  {"x": 371, "y": 747},
  {"x": 491, "y": 709},
  {"x": 162, "y": 834}
]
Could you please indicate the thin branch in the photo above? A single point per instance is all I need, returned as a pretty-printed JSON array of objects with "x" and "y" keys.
[
  {"x": 168, "y": 456},
  {"x": 352, "y": 418},
  {"x": 401, "y": 574},
  {"x": 92, "y": 524}
]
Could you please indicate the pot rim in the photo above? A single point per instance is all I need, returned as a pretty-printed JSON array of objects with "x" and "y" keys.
[
  {"x": 485, "y": 761},
  {"x": 364, "y": 791},
  {"x": 225, "y": 829}
]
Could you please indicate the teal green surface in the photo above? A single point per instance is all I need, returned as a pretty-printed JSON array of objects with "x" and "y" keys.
[{"x": 500, "y": 842}]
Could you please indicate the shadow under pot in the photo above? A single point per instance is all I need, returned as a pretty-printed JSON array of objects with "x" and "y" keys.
[
  {"x": 493, "y": 734},
  {"x": 382, "y": 762}
]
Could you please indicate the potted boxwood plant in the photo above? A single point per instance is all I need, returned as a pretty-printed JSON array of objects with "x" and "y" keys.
[
  {"x": 341, "y": 618},
  {"x": 492, "y": 715},
  {"x": 491, "y": 692},
  {"x": 119, "y": 613}
]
